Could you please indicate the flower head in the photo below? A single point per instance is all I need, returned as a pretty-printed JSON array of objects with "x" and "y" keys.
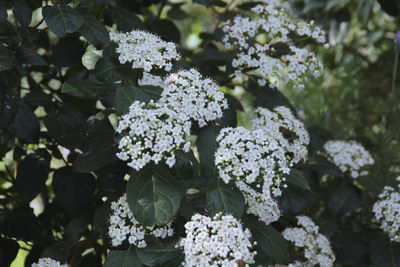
[
  {"x": 217, "y": 241},
  {"x": 47, "y": 262},
  {"x": 387, "y": 212},
  {"x": 144, "y": 50},
  {"x": 193, "y": 96},
  {"x": 349, "y": 156},
  {"x": 317, "y": 248}
]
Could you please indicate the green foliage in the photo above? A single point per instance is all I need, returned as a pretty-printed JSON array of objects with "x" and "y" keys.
[{"x": 58, "y": 169}]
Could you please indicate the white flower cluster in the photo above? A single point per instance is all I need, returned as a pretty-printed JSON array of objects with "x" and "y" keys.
[
  {"x": 256, "y": 163},
  {"x": 47, "y": 262},
  {"x": 155, "y": 131},
  {"x": 150, "y": 79},
  {"x": 123, "y": 226},
  {"x": 295, "y": 264},
  {"x": 151, "y": 133},
  {"x": 193, "y": 96},
  {"x": 349, "y": 156},
  {"x": 289, "y": 132},
  {"x": 260, "y": 39},
  {"x": 144, "y": 50},
  {"x": 387, "y": 212},
  {"x": 317, "y": 249},
  {"x": 217, "y": 241}
]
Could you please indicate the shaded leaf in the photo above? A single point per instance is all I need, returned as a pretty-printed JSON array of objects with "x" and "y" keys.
[
  {"x": 32, "y": 173},
  {"x": 153, "y": 197},
  {"x": 384, "y": 253},
  {"x": 122, "y": 258},
  {"x": 126, "y": 95},
  {"x": 22, "y": 13},
  {"x": 87, "y": 89},
  {"x": 206, "y": 146},
  {"x": 95, "y": 32},
  {"x": 62, "y": 19},
  {"x": 26, "y": 124},
  {"x": 7, "y": 59},
  {"x": 344, "y": 199},
  {"x": 224, "y": 198},
  {"x": 297, "y": 178}
]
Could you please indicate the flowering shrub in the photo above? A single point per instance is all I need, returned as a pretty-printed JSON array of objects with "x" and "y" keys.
[{"x": 167, "y": 133}]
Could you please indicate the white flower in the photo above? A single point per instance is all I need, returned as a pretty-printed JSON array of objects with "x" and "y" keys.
[
  {"x": 124, "y": 227},
  {"x": 349, "y": 156},
  {"x": 188, "y": 93},
  {"x": 387, "y": 212},
  {"x": 151, "y": 133},
  {"x": 150, "y": 79},
  {"x": 260, "y": 40},
  {"x": 256, "y": 163},
  {"x": 289, "y": 132},
  {"x": 217, "y": 241},
  {"x": 316, "y": 246},
  {"x": 144, "y": 50},
  {"x": 47, "y": 262}
]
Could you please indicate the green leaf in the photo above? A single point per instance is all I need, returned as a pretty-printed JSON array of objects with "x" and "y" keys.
[
  {"x": 166, "y": 29},
  {"x": 126, "y": 95},
  {"x": 32, "y": 174},
  {"x": 294, "y": 199},
  {"x": 62, "y": 19},
  {"x": 101, "y": 151},
  {"x": 324, "y": 168},
  {"x": 26, "y": 124},
  {"x": 384, "y": 253},
  {"x": 88, "y": 89},
  {"x": 27, "y": 56},
  {"x": 158, "y": 253},
  {"x": 271, "y": 241},
  {"x": 126, "y": 20},
  {"x": 206, "y": 146},
  {"x": 224, "y": 198},
  {"x": 22, "y": 13},
  {"x": 298, "y": 179},
  {"x": 153, "y": 197},
  {"x": 7, "y": 58},
  {"x": 122, "y": 258},
  {"x": 95, "y": 32},
  {"x": 392, "y": 7},
  {"x": 74, "y": 191},
  {"x": 344, "y": 199}
]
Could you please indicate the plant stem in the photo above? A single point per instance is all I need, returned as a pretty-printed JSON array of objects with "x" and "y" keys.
[{"x": 396, "y": 62}]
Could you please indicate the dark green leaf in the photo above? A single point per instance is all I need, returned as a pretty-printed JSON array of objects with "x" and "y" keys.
[
  {"x": 126, "y": 20},
  {"x": 8, "y": 251},
  {"x": 74, "y": 191},
  {"x": 158, "y": 253},
  {"x": 350, "y": 250},
  {"x": 7, "y": 59},
  {"x": 153, "y": 197},
  {"x": 27, "y": 56},
  {"x": 271, "y": 241},
  {"x": 177, "y": 13},
  {"x": 384, "y": 253},
  {"x": 22, "y": 13},
  {"x": 126, "y": 95},
  {"x": 61, "y": 55},
  {"x": 122, "y": 258},
  {"x": 62, "y": 19},
  {"x": 32, "y": 174},
  {"x": 102, "y": 148},
  {"x": 95, "y": 32},
  {"x": 206, "y": 145},
  {"x": 3, "y": 13},
  {"x": 8, "y": 106},
  {"x": 298, "y": 179},
  {"x": 324, "y": 168},
  {"x": 20, "y": 224},
  {"x": 60, "y": 251},
  {"x": 392, "y": 7},
  {"x": 88, "y": 89},
  {"x": 108, "y": 71},
  {"x": 344, "y": 199},
  {"x": 224, "y": 198},
  {"x": 26, "y": 124},
  {"x": 75, "y": 229},
  {"x": 295, "y": 199},
  {"x": 166, "y": 29}
]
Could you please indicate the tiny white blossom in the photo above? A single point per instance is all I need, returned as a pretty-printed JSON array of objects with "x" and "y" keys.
[
  {"x": 387, "y": 212},
  {"x": 253, "y": 159},
  {"x": 191, "y": 95},
  {"x": 217, "y": 241},
  {"x": 150, "y": 79},
  {"x": 289, "y": 132},
  {"x": 47, "y": 262},
  {"x": 151, "y": 132},
  {"x": 274, "y": 23},
  {"x": 124, "y": 227},
  {"x": 144, "y": 50},
  {"x": 349, "y": 156},
  {"x": 317, "y": 249}
]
